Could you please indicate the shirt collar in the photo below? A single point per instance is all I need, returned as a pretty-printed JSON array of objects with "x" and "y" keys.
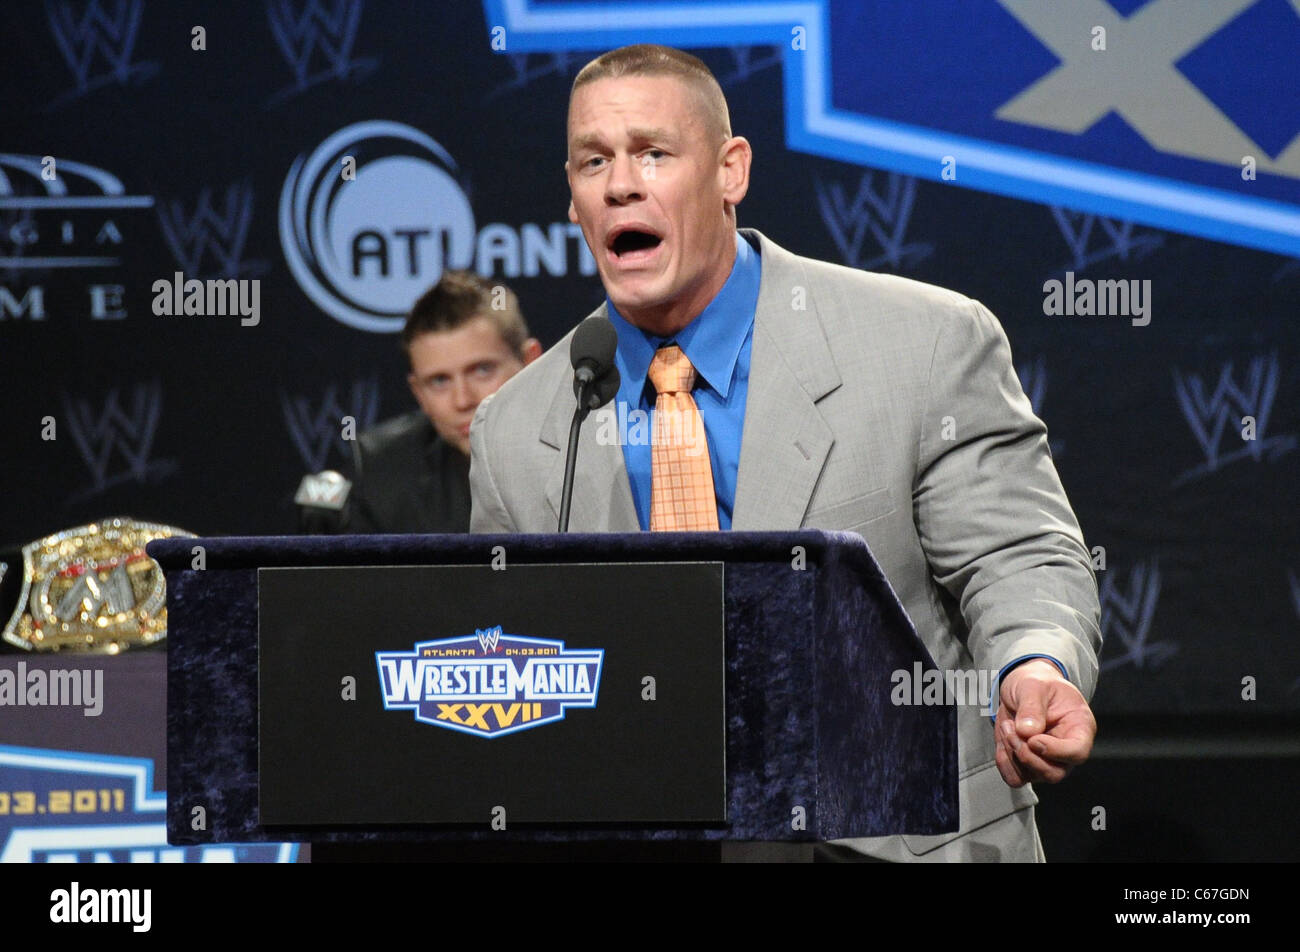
[{"x": 711, "y": 342}]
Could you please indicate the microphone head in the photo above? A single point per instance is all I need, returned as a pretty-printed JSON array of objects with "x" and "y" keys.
[
  {"x": 322, "y": 500},
  {"x": 604, "y": 389},
  {"x": 593, "y": 346}
]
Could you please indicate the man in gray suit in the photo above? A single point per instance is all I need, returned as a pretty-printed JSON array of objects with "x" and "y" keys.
[{"x": 831, "y": 398}]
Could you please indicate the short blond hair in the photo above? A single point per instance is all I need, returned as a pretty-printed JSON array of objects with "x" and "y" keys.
[{"x": 647, "y": 59}]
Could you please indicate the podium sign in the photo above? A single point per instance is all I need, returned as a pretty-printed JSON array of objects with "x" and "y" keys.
[{"x": 415, "y": 695}]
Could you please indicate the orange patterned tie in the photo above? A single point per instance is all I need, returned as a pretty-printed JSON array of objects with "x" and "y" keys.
[{"x": 681, "y": 489}]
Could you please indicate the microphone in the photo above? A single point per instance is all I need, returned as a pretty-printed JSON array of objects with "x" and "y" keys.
[
  {"x": 322, "y": 500},
  {"x": 592, "y": 352},
  {"x": 595, "y": 382}
]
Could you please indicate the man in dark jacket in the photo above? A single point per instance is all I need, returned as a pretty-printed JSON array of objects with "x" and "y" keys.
[{"x": 464, "y": 338}]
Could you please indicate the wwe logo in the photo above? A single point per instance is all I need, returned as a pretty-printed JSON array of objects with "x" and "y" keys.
[
  {"x": 1228, "y": 407},
  {"x": 82, "y": 30},
  {"x": 488, "y": 638},
  {"x": 885, "y": 217},
  {"x": 222, "y": 233},
  {"x": 130, "y": 430},
  {"x": 558, "y": 63},
  {"x": 315, "y": 431},
  {"x": 1033, "y": 380},
  {"x": 321, "y": 26},
  {"x": 90, "y": 593},
  {"x": 747, "y": 64},
  {"x": 1077, "y": 230},
  {"x": 1126, "y": 618}
]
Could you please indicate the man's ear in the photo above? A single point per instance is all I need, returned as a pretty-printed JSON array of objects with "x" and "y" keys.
[
  {"x": 532, "y": 349},
  {"x": 735, "y": 159},
  {"x": 573, "y": 215}
]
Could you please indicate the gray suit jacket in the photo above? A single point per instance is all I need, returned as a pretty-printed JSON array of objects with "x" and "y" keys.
[{"x": 878, "y": 405}]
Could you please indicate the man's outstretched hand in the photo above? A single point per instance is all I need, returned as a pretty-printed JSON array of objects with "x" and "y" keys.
[{"x": 1044, "y": 726}]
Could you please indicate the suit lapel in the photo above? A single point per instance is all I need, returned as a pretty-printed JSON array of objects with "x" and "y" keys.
[
  {"x": 602, "y": 499},
  {"x": 786, "y": 440},
  {"x": 430, "y": 473}
]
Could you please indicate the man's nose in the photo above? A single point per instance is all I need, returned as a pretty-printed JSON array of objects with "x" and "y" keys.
[
  {"x": 465, "y": 394},
  {"x": 624, "y": 183}
]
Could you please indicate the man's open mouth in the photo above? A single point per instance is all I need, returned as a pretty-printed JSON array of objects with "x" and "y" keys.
[{"x": 633, "y": 240}]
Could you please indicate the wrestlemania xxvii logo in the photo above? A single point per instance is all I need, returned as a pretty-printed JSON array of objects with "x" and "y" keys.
[{"x": 489, "y": 684}]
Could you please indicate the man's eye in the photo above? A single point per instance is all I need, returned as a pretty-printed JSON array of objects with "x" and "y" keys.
[
  {"x": 654, "y": 155},
  {"x": 485, "y": 370},
  {"x": 593, "y": 162}
]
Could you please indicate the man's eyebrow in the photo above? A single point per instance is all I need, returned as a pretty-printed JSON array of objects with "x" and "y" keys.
[
  {"x": 588, "y": 141},
  {"x": 638, "y": 134},
  {"x": 656, "y": 134}
]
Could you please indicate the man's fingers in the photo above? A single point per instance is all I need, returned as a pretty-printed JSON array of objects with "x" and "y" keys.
[
  {"x": 1019, "y": 762},
  {"x": 1026, "y": 692},
  {"x": 1004, "y": 754},
  {"x": 1007, "y": 767},
  {"x": 1031, "y": 713},
  {"x": 1067, "y": 744},
  {"x": 1062, "y": 728},
  {"x": 1038, "y": 769},
  {"x": 1049, "y": 756}
]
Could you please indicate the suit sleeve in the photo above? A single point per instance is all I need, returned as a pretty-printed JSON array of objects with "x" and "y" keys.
[
  {"x": 991, "y": 513},
  {"x": 488, "y": 511},
  {"x": 360, "y": 519}
]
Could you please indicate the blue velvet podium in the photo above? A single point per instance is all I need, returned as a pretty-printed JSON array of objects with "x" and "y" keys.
[{"x": 813, "y": 634}]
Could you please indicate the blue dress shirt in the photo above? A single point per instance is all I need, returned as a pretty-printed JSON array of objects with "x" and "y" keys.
[{"x": 718, "y": 344}]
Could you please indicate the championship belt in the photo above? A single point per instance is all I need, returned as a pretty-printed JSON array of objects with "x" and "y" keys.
[{"x": 93, "y": 589}]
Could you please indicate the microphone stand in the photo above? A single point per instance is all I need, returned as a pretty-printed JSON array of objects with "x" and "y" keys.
[{"x": 575, "y": 428}]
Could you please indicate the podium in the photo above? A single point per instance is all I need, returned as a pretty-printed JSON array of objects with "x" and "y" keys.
[{"x": 649, "y": 686}]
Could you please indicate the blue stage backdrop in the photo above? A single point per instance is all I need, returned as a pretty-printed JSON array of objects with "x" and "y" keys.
[{"x": 1143, "y": 155}]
